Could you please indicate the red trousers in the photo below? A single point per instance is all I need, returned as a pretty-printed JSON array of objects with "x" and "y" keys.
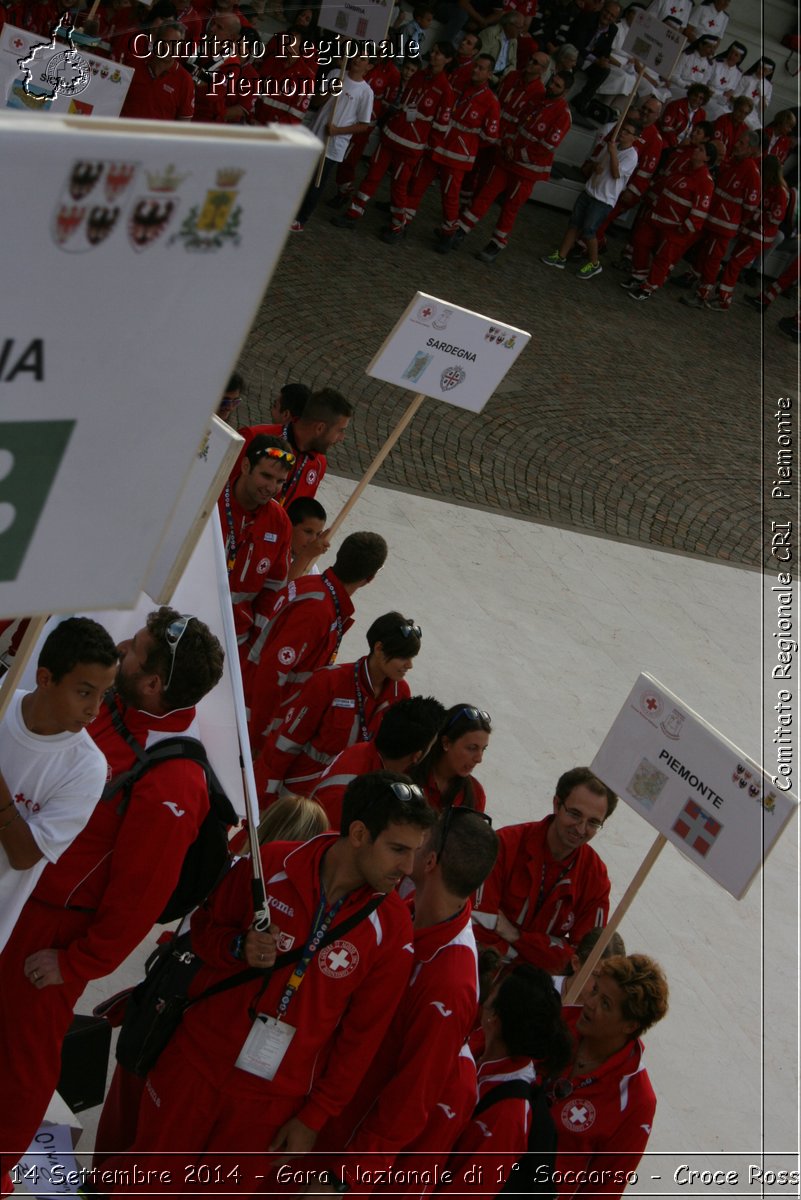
[
  {"x": 709, "y": 252},
  {"x": 215, "y": 1129},
  {"x": 382, "y": 161},
  {"x": 346, "y": 172},
  {"x": 515, "y": 191},
  {"x": 744, "y": 252},
  {"x": 33, "y": 1024},
  {"x": 450, "y": 185},
  {"x": 116, "y": 1128},
  {"x": 785, "y": 280},
  {"x": 655, "y": 248}
]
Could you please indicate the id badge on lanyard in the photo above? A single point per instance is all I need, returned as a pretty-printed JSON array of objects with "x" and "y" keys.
[{"x": 265, "y": 1046}]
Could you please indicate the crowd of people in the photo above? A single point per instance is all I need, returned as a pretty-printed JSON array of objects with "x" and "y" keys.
[
  {"x": 399, "y": 1022},
  {"x": 483, "y": 114}
]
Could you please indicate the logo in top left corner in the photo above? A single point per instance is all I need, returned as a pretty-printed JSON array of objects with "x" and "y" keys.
[{"x": 51, "y": 70}]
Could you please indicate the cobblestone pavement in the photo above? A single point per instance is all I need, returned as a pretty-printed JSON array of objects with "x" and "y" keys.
[{"x": 639, "y": 421}]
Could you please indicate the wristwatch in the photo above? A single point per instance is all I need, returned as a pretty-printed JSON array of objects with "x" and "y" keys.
[{"x": 335, "y": 1182}]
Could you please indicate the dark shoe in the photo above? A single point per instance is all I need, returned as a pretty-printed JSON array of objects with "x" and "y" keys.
[
  {"x": 639, "y": 293},
  {"x": 789, "y": 326},
  {"x": 391, "y": 236},
  {"x": 756, "y": 302},
  {"x": 450, "y": 241},
  {"x": 693, "y": 301},
  {"x": 339, "y": 200},
  {"x": 687, "y": 280},
  {"x": 489, "y": 253},
  {"x": 345, "y": 222},
  {"x": 629, "y": 285}
]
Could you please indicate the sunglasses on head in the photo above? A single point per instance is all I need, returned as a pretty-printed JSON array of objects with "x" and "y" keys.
[
  {"x": 409, "y": 629},
  {"x": 472, "y": 714},
  {"x": 406, "y": 791},
  {"x": 279, "y": 455},
  {"x": 451, "y": 814},
  {"x": 172, "y": 636}
]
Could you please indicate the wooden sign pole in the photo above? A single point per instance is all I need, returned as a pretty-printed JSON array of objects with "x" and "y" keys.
[
  {"x": 376, "y": 463},
  {"x": 577, "y": 984},
  {"x": 629, "y": 102},
  {"x": 321, "y": 167}
]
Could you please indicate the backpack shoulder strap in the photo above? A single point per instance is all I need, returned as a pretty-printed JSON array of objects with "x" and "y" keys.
[{"x": 512, "y": 1089}]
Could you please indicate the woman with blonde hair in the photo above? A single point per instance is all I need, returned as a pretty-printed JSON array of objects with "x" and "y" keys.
[{"x": 292, "y": 819}]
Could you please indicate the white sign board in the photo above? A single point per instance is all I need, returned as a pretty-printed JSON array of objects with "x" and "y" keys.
[
  {"x": 366, "y": 20},
  {"x": 216, "y": 455},
  {"x": 656, "y": 45},
  {"x": 57, "y": 78},
  {"x": 448, "y": 353},
  {"x": 139, "y": 257},
  {"x": 688, "y": 781}
]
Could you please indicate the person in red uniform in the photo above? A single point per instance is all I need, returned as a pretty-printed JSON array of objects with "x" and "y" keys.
[
  {"x": 391, "y": 1108},
  {"x": 790, "y": 277},
  {"x": 321, "y": 426},
  {"x": 405, "y": 736},
  {"x": 217, "y": 74},
  {"x": 525, "y": 160},
  {"x": 161, "y": 89},
  {"x": 474, "y": 120},
  {"x": 421, "y": 122},
  {"x": 446, "y": 772},
  {"x": 549, "y": 887},
  {"x": 305, "y": 627},
  {"x": 521, "y": 1024},
  {"x": 257, "y": 534},
  {"x": 680, "y": 115},
  {"x": 603, "y": 1106},
  {"x": 730, "y": 125},
  {"x": 250, "y": 1088},
  {"x": 384, "y": 79},
  {"x": 461, "y": 69},
  {"x": 778, "y": 137},
  {"x": 287, "y": 84},
  {"x": 734, "y": 203},
  {"x": 756, "y": 235},
  {"x": 338, "y": 706},
  {"x": 93, "y": 907},
  {"x": 672, "y": 223},
  {"x": 649, "y": 150}
]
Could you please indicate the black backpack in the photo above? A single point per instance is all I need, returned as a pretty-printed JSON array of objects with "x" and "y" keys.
[
  {"x": 533, "y": 1172},
  {"x": 208, "y": 858}
]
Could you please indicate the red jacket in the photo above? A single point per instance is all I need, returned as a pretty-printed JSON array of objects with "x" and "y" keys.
[
  {"x": 303, "y": 632},
  {"x": 516, "y": 96},
  {"x": 537, "y": 138},
  {"x": 332, "y": 710},
  {"x": 308, "y": 471},
  {"x": 359, "y": 759},
  {"x": 735, "y": 199},
  {"x": 124, "y": 867},
  {"x": 424, "y": 116},
  {"x": 727, "y": 131},
  {"x": 496, "y": 1138},
  {"x": 649, "y": 150},
  {"x": 605, "y": 1124},
  {"x": 763, "y": 224},
  {"x": 462, "y": 76},
  {"x": 434, "y": 796},
  {"x": 575, "y": 902},
  {"x": 384, "y": 79},
  {"x": 677, "y": 121},
  {"x": 777, "y": 144},
  {"x": 340, "y": 1013},
  {"x": 258, "y": 548},
  {"x": 683, "y": 201},
  {"x": 167, "y": 97},
  {"x": 475, "y": 119},
  {"x": 390, "y": 1110},
  {"x": 291, "y": 86}
]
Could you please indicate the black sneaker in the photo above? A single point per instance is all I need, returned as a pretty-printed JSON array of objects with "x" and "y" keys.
[
  {"x": 391, "y": 236},
  {"x": 756, "y": 302},
  {"x": 339, "y": 200},
  {"x": 344, "y": 221},
  {"x": 630, "y": 284},
  {"x": 639, "y": 293},
  {"x": 489, "y": 253}
]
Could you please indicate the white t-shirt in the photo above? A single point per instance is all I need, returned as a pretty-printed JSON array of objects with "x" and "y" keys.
[
  {"x": 353, "y": 107},
  {"x": 606, "y": 189},
  {"x": 55, "y": 783}
]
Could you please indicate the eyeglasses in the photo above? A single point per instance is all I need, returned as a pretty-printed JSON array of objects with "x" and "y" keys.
[
  {"x": 273, "y": 452},
  {"x": 172, "y": 636},
  {"x": 406, "y": 791},
  {"x": 451, "y": 813},
  {"x": 472, "y": 714},
  {"x": 578, "y": 818},
  {"x": 409, "y": 629}
]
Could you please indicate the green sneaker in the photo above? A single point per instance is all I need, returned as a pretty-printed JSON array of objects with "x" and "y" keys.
[
  {"x": 554, "y": 260},
  {"x": 588, "y": 270}
]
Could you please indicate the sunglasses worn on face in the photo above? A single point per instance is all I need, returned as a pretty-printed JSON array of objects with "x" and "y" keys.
[
  {"x": 472, "y": 714},
  {"x": 280, "y": 455},
  {"x": 451, "y": 814},
  {"x": 172, "y": 636}
]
